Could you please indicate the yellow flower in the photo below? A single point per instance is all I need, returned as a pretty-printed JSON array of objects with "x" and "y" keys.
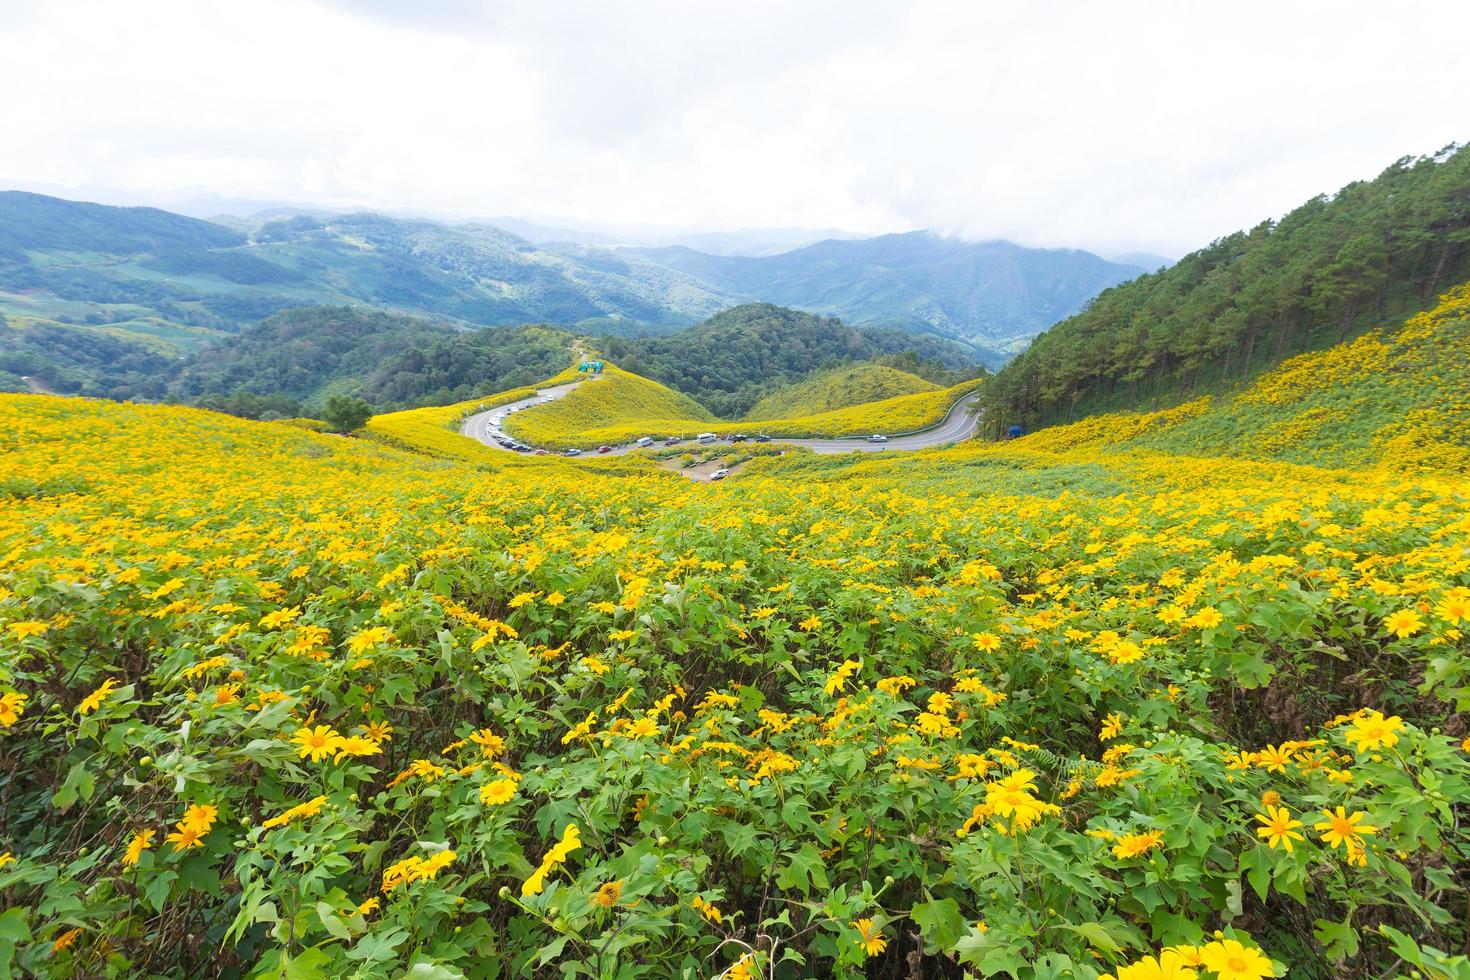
[
  {"x": 870, "y": 938},
  {"x": 642, "y": 728},
  {"x": 141, "y": 842},
  {"x": 12, "y": 706},
  {"x": 65, "y": 940},
  {"x": 1371, "y": 729},
  {"x": 571, "y": 840},
  {"x": 1168, "y": 965},
  {"x": 709, "y": 911},
  {"x": 608, "y": 895},
  {"x": 498, "y": 791},
  {"x": 555, "y": 599},
  {"x": 310, "y": 808},
  {"x": 93, "y": 701},
  {"x": 316, "y": 743},
  {"x": 1135, "y": 845},
  {"x": 522, "y": 599},
  {"x": 6, "y": 858},
  {"x": 1112, "y": 727},
  {"x": 200, "y": 817},
  {"x": 27, "y": 628},
  {"x": 1230, "y": 960},
  {"x": 986, "y": 642},
  {"x": 370, "y": 906},
  {"x": 1403, "y": 623},
  {"x": 811, "y": 623},
  {"x": 185, "y": 837},
  {"x": 1278, "y": 828},
  {"x": 1342, "y": 828},
  {"x": 1207, "y": 618}
]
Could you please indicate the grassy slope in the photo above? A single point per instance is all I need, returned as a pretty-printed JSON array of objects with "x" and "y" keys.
[
  {"x": 838, "y": 388},
  {"x": 1394, "y": 397},
  {"x": 617, "y": 398}
]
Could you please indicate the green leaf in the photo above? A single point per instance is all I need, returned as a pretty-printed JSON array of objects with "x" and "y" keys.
[
  {"x": 332, "y": 922},
  {"x": 1097, "y": 936},
  {"x": 939, "y": 922},
  {"x": 804, "y": 869}
]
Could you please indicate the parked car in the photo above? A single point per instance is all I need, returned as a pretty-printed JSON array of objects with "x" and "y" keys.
[
  {"x": 540, "y": 452},
  {"x": 705, "y": 438},
  {"x": 645, "y": 441},
  {"x": 604, "y": 449},
  {"x": 875, "y": 437},
  {"x": 739, "y": 438},
  {"x": 672, "y": 441},
  {"x": 762, "y": 438},
  {"x": 719, "y": 474},
  {"x": 574, "y": 452}
]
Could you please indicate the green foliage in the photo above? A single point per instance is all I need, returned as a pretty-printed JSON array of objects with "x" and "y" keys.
[
  {"x": 1375, "y": 250},
  {"x": 730, "y": 361},
  {"x": 346, "y": 413}
]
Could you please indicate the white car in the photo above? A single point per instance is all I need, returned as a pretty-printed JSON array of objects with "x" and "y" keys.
[
  {"x": 875, "y": 437},
  {"x": 719, "y": 474}
]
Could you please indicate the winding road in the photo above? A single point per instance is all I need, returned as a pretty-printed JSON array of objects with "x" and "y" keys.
[{"x": 958, "y": 424}]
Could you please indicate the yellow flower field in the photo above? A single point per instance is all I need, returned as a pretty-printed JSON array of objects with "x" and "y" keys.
[{"x": 277, "y": 703}]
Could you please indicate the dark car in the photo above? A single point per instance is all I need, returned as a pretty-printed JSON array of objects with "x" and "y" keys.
[
  {"x": 739, "y": 438},
  {"x": 762, "y": 438}
]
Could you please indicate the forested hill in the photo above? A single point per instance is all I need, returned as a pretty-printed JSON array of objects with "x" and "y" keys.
[
  {"x": 391, "y": 361},
  {"x": 995, "y": 295},
  {"x": 1373, "y": 252},
  {"x": 730, "y": 361}
]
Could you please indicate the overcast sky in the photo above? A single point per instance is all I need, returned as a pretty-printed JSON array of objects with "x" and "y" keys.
[{"x": 1107, "y": 126}]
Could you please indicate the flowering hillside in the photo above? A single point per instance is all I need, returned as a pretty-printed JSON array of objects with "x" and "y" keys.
[{"x": 277, "y": 703}]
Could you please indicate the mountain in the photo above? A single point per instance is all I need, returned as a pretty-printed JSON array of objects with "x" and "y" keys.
[
  {"x": 733, "y": 359},
  {"x": 1371, "y": 253},
  {"x": 995, "y": 295},
  {"x": 167, "y": 281}
]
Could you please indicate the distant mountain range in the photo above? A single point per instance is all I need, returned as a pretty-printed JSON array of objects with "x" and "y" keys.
[
  {"x": 996, "y": 295},
  {"x": 171, "y": 283}
]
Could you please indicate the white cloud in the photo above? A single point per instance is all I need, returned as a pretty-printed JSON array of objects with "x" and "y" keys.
[{"x": 1151, "y": 125}]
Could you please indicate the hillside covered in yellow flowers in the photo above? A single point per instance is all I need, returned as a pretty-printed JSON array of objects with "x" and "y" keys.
[{"x": 1174, "y": 695}]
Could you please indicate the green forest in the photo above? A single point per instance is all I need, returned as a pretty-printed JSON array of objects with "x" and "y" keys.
[
  {"x": 735, "y": 358},
  {"x": 1332, "y": 268}
]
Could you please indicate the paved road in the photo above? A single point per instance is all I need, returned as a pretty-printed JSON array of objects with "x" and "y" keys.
[{"x": 958, "y": 424}]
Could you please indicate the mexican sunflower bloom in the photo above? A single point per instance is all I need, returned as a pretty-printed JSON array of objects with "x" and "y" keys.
[
  {"x": 1342, "y": 828},
  {"x": 93, "y": 701},
  {"x": 1277, "y": 828},
  {"x": 497, "y": 792},
  {"x": 1134, "y": 845},
  {"x": 316, "y": 743},
  {"x": 12, "y": 706},
  {"x": 870, "y": 937},
  {"x": 1168, "y": 965},
  {"x": 1230, "y": 960},
  {"x": 608, "y": 895},
  {"x": 142, "y": 841},
  {"x": 1371, "y": 729},
  {"x": 571, "y": 840},
  {"x": 1403, "y": 624}
]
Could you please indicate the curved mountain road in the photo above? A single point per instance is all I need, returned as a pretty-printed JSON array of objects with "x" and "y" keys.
[{"x": 959, "y": 423}]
